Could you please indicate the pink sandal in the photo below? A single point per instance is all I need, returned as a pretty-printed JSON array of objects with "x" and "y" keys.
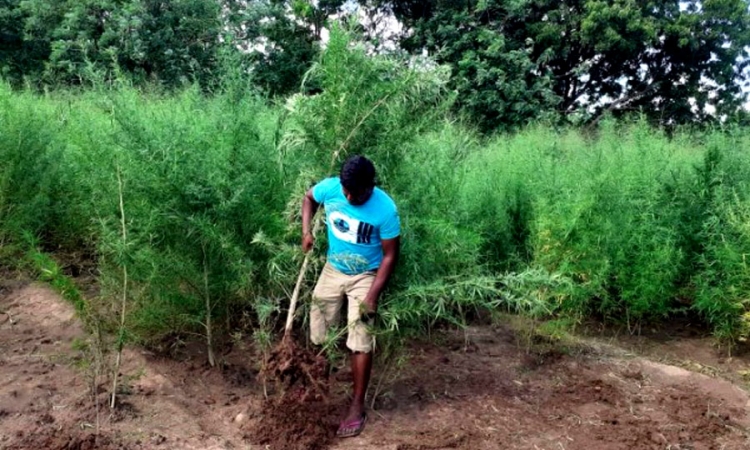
[{"x": 352, "y": 428}]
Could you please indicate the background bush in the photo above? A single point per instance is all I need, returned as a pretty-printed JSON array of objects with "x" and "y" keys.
[{"x": 625, "y": 223}]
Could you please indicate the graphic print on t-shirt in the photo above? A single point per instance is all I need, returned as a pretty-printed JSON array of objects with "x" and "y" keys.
[{"x": 350, "y": 230}]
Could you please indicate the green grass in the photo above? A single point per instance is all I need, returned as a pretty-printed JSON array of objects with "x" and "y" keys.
[{"x": 624, "y": 223}]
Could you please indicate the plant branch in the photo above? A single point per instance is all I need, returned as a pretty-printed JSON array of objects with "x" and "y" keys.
[
  {"x": 121, "y": 335},
  {"x": 209, "y": 344}
]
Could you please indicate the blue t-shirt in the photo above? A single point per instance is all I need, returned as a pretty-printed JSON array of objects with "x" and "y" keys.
[{"x": 355, "y": 232}]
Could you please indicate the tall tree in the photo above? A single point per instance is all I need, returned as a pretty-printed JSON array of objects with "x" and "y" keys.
[
  {"x": 170, "y": 41},
  {"x": 676, "y": 61},
  {"x": 496, "y": 76},
  {"x": 282, "y": 37},
  {"x": 19, "y": 57}
]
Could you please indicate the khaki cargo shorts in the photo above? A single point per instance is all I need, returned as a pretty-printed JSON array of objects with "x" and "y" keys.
[{"x": 328, "y": 298}]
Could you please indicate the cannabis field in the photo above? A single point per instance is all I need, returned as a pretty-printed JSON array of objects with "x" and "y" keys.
[{"x": 187, "y": 203}]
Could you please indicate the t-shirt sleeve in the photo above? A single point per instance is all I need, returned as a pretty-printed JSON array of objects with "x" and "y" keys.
[
  {"x": 391, "y": 228},
  {"x": 323, "y": 190}
]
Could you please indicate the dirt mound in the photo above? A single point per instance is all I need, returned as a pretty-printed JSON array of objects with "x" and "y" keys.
[
  {"x": 684, "y": 421},
  {"x": 588, "y": 391},
  {"x": 297, "y": 367},
  {"x": 613, "y": 412},
  {"x": 439, "y": 440},
  {"x": 291, "y": 424},
  {"x": 55, "y": 440},
  {"x": 301, "y": 417}
]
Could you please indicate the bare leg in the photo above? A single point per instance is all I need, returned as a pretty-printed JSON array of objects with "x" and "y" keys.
[{"x": 361, "y": 368}]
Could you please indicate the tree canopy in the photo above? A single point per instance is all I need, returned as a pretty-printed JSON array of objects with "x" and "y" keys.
[
  {"x": 281, "y": 38},
  {"x": 512, "y": 61},
  {"x": 668, "y": 59},
  {"x": 58, "y": 41}
]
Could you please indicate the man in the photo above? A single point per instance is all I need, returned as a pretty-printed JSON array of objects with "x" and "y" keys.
[{"x": 363, "y": 246}]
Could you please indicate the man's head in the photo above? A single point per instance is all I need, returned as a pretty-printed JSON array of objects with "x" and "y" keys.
[{"x": 358, "y": 179}]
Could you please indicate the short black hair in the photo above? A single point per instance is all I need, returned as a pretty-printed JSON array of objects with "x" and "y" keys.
[{"x": 357, "y": 174}]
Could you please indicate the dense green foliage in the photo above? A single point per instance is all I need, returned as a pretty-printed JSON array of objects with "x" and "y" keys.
[
  {"x": 281, "y": 38},
  {"x": 625, "y": 224},
  {"x": 511, "y": 61},
  {"x": 64, "y": 42},
  {"x": 515, "y": 59}
]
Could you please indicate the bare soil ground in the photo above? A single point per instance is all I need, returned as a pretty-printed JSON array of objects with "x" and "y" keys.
[{"x": 476, "y": 391}]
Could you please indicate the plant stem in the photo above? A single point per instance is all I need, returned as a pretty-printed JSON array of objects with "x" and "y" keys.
[
  {"x": 121, "y": 335},
  {"x": 381, "y": 378},
  {"x": 211, "y": 359},
  {"x": 341, "y": 148},
  {"x": 298, "y": 286}
]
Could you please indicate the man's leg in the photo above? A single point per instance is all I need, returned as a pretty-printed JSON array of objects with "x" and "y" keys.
[
  {"x": 361, "y": 369},
  {"x": 328, "y": 297},
  {"x": 361, "y": 342}
]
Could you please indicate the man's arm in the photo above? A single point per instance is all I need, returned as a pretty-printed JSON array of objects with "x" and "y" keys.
[
  {"x": 391, "y": 248},
  {"x": 309, "y": 207}
]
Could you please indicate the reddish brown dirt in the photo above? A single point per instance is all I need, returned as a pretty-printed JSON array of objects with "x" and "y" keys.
[
  {"x": 288, "y": 423},
  {"x": 301, "y": 383},
  {"x": 298, "y": 368},
  {"x": 65, "y": 441},
  {"x": 475, "y": 391},
  {"x": 489, "y": 395},
  {"x": 682, "y": 343},
  {"x": 300, "y": 416}
]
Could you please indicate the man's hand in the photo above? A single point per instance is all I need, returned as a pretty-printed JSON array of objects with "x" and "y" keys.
[
  {"x": 369, "y": 305},
  {"x": 307, "y": 242},
  {"x": 309, "y": 206},
  {"x": 391, "y": 249}
]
